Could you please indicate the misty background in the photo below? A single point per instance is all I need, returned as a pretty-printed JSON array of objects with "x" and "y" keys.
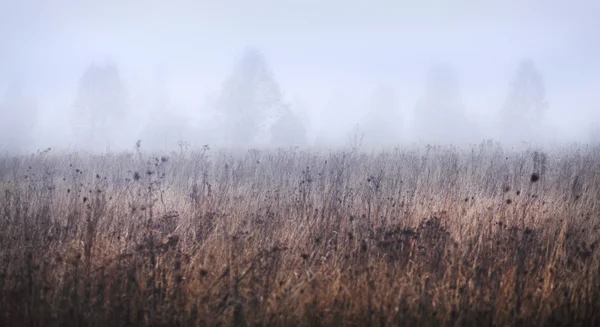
[{"x": 100, "y": 75}]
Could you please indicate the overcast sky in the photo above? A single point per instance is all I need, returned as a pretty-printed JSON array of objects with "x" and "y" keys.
[{"x": 318, "y": 50}]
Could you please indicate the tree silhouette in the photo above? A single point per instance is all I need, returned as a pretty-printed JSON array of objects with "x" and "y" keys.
[
  {"x": 165, "y": 126},
  {"x": 100, "y": 105},
  {"x": 526, "y": 104},
  {"x": 17, "y": 119},
  {"x": 288, "y": 129},
  {"x": 439, "y": 116},
  {"x": 382, "y": 124},
  {"x": 250, "y": 99}
]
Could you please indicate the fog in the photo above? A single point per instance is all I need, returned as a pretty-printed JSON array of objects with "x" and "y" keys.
[{"x": 101, "y": 75}]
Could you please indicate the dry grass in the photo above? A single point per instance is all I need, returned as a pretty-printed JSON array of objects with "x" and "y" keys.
[{"x": 436, "y": 236}]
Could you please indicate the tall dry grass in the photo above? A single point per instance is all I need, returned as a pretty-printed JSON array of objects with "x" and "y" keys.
[{"x": 434, "y": 236}]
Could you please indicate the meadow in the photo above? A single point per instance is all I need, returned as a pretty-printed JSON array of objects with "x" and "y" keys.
[{"x": 432, "y": 236}]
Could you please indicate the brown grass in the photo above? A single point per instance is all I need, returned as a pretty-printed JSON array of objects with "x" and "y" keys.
[{"x": 438, "y": 236}]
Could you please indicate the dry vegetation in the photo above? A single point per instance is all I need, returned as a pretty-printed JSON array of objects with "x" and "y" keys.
[{"x": 435, "y": 236}]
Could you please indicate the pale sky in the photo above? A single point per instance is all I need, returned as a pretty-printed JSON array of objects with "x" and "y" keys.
[{"x": 317, "y": 50}]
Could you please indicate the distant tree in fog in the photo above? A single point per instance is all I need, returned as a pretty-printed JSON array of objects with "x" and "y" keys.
[
  {"x": 101, "y": 105},
  {"x": 383, "y": 122},
  {"x": 165, "y": 125},
  {"x": 439, "y": 116},
  {"x": 525, "y": 105},
  {"x": 250, "y": 100},
  {"x": 288, "y": 129},
  {"x": 17, "y": 119}
]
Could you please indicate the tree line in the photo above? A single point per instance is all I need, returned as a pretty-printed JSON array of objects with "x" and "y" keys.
[{"x": 251, "y": 109}]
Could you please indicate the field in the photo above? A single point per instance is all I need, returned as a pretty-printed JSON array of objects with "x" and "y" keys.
[{"x": 433, "y": 236}]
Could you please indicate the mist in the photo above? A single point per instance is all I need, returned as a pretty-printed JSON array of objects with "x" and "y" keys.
[{"x": 102, "y": 75}]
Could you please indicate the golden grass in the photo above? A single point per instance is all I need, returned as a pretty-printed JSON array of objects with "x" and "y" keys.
[{"x": 435, "y": 236}]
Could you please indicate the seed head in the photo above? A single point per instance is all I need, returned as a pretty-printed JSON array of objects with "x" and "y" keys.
[{"x": 535, "y": 177}]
